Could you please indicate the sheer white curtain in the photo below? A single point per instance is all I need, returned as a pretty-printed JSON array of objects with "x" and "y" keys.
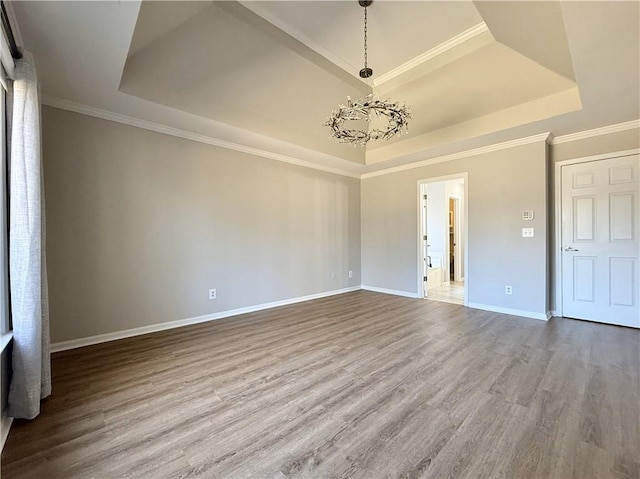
[{"x": 31, "y": 378}]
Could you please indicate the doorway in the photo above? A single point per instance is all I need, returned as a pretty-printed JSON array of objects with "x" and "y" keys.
[
  {"x": 600, "y": 249},
  {"x": 442, "y": 239}
]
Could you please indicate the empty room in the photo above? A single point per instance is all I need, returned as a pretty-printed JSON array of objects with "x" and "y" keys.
[{"x": 320, "y": 239}]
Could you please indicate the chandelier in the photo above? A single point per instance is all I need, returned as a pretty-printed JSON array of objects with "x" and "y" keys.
[{"x": 393, "y": 116}]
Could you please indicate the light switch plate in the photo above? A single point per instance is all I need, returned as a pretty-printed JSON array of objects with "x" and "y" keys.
[
  {"x": 527, "y": 232},
  {"x": 528, "y": 215}
]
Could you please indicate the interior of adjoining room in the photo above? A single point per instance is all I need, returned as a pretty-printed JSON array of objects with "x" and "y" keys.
[{"x": 443, "y": 224}]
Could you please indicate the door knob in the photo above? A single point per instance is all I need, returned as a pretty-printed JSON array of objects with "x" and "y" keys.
[{"x": 569, "y": 248}]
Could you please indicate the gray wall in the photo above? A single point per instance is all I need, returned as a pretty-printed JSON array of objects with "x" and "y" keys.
[
  {"x": 501, "y": 185},
  {"x": 140, "y": 225},
  {"x": 597, "y": 145}
]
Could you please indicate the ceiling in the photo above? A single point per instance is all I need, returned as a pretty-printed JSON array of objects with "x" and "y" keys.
[
  {"x": 265, "y": 75},
  {"x": 397, "y": 31}
]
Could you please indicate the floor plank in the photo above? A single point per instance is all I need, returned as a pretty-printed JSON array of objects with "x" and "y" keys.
[{"x": 357, "y": 385}]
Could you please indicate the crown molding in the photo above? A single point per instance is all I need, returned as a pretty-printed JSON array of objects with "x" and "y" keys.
[
  {"x": 187, "y": 135},
  {"x": 605, "y": 130},
  {"x": 168, "y": 130},
  {"x": 543, "y": 137},
  {"x": 453, "y": 42}
]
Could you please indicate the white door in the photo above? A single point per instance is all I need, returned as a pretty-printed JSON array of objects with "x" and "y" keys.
[{"x": 600, "y": 248}]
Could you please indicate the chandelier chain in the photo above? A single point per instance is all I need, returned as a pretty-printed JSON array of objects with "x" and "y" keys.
[{"x": 365, "y": 37}]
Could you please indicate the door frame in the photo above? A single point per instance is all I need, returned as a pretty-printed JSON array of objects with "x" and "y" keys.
[
  {"x": 557, "y": 237},
  {"x": 422, "y": 226},
  {"x": 465, "y": 234}
]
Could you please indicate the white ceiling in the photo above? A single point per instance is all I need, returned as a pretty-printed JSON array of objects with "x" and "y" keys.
[
  {"x": 161, "y": 18},
  {"x": 397, "y": 31},
  {"x": 265, "y": 74},
  {"x": 260, "y": 83}
]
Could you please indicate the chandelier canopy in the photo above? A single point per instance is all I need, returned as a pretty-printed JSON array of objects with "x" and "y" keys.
[{"x": 367, "y": 109}]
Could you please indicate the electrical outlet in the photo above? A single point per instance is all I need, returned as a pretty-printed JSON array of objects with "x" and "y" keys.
[
  {"x": 508, "y": 289},
  {"x": 527, "y": 232},
  {"x": 350, "y": 274},
  {"x": 213, "y": 294}
]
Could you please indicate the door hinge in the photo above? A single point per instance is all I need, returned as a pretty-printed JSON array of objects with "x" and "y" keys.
[
  {"x": 424, "y": 196},
  {"x": 424, "y": 237},
  {"x": 424, "y": 278}
]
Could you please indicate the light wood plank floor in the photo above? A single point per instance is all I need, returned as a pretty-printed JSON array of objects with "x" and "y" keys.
[
  {"x": 357, "y": 385},
  {"x": 451, "y": 293}
]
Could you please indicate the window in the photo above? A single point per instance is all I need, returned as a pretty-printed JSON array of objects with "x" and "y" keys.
[{"x": 5, "y": 316}]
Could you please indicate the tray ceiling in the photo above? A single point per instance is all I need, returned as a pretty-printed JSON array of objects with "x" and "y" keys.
[
  {"x": 267, "y": 74},
  {"x": 274, "y": 67}
]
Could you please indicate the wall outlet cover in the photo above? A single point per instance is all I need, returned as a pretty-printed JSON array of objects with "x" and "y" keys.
[{"x": 527, "y": 232}]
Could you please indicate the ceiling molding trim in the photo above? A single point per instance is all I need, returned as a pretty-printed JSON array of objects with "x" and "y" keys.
[
  {"x": 543, "y": 137},
  {"x": 605, "y": 130},
  {"x": 453, "y": 42},
  {"x": 169, "y": 130},
  {"x": 445, "y": 46}
]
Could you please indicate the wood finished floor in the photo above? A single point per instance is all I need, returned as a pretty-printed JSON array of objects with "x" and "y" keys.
[
  {"x": 357, "y": 385},
  {"x": 451, "y": 293}
]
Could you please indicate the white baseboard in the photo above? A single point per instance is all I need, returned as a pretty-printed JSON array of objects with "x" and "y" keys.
[
  {"x": 513, "y": 312},
  {"x": 395, "y": 292},
  {"x": 152, "y": 328},
  {"x": 554, "y": 314},
  {"x": 5, "y": 426}
]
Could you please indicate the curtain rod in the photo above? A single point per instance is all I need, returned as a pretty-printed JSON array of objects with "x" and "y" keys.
[{"x": 6, "y": 26}]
